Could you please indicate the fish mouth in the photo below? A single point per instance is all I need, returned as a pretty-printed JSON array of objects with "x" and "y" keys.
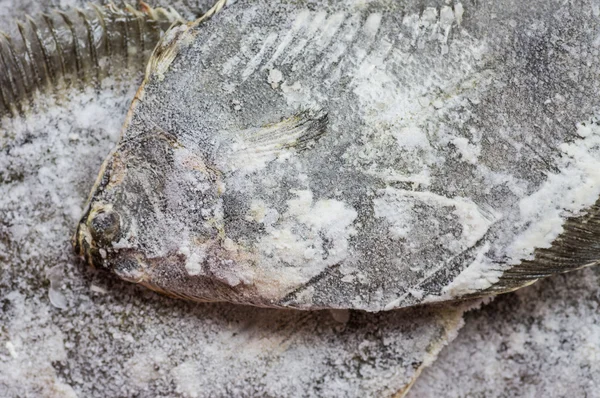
[
  {"x": 126, "y": 263},
  {"x": 99, "y": 227},
  {"x": 81, "y": 240},
  {"x": 87, "y": 249}
]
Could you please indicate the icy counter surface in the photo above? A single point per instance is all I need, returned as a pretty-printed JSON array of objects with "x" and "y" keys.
[
  {"x": 542, "y": 341},
  {"x": 113, "y": 338}
]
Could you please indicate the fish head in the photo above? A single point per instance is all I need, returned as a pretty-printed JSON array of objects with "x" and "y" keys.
[
  {"x": 160, "y": 214},
  {"x": 152, "y": 199}
]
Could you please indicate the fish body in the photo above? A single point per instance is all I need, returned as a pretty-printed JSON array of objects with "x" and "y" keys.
[{"x": 349, "y": 154}]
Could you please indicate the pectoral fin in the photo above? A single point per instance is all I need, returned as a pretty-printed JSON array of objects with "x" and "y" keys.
[
  {"x": 257, "y": 146},
  {"x": 300, "y": 131}
]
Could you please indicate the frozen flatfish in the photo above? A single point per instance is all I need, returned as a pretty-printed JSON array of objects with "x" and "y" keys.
[{"x": 357, "y": 155}]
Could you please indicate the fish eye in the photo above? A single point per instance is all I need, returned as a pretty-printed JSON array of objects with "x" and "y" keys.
[{"x": 105, "y": 226}]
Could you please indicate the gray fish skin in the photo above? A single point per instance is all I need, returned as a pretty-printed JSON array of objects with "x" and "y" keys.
[{"x": 353, "y": 155}]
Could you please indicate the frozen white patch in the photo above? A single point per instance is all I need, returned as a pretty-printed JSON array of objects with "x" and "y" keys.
[
  {"x": 417, "y": 293},
  {"x": 330, "y": 28},
  {"x": 478, "y": 276},
  {"x": 195, "y": 257},
  {"x": 260, "y": 213},
  {"x": 458, "y": 12},
  {"x": 302, "y": 19},
  {"x": 275, "y": 77},
  {"x": 468, "y": 152},
  {"x": 372, "y": 25},
  {"x": 316, "y": 22},
  {"x": 411, "y": 138},
  {"x": 11, "y": 349},
  {"x": 257, "y": 59},
  {"x": 446, "y": 20},
  {"x": 287, "y": 89},
  {"x": 574, "y": 188},
  {"x": 296, "y": 249},
  {"x": 396, "y": 206},
  {"x": 542, "y": 214}
]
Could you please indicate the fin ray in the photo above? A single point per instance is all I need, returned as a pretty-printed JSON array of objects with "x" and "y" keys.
[{"x": 263, "y": 144}]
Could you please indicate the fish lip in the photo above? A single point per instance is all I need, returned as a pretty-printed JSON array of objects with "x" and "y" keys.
[
  {"x": 86, "y": 247},
  {"x": 131, "y": 266},
  {"x": 83, "y": 245},
  {"x": 76, "y": 239}
]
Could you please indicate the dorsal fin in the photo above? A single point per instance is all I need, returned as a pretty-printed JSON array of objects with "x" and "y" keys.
[
  {"x": 167, "y": 49},
  {"x": 178, "y": 36}
]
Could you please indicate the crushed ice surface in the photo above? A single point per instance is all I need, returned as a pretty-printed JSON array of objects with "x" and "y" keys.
[
  {"x": 542, "y": 341},
  {"x": 132, "y": 341},
  {"x": 55, "y": 276}
]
